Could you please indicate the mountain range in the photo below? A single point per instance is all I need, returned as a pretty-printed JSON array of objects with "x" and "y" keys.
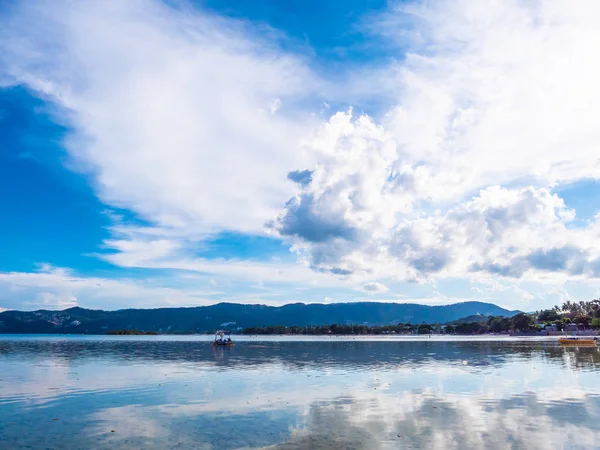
[{"x": 232, "y": 316}]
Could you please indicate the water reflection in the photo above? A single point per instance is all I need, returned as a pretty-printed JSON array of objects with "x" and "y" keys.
[
  {"x": 523, "y": 422},
  {"x": 359, "y": 355},
  {"x": 83, "y": 393}
]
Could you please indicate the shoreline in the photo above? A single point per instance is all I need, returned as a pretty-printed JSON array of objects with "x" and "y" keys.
[
  {"x": 207, "y": 338},
  {"x": 122, "y": 333}
]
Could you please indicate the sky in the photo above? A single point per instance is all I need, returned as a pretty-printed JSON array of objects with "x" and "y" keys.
[{"x": 184, "y": 153}]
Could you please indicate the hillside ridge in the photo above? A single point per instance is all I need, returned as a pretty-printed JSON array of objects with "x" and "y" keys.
[{"x": 202, "y": 319}]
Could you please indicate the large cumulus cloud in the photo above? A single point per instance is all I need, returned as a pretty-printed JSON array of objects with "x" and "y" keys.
[
  {"x": 360, "y": 212},
  {"x": 492, "y": 106}
]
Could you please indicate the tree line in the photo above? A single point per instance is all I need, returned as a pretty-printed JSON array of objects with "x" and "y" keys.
[{"x": 584, "y": 314}]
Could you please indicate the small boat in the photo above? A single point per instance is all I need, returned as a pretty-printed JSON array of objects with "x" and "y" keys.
[
  {"x": 222, "y": 339},
  {"x": 577, "y": 340}
]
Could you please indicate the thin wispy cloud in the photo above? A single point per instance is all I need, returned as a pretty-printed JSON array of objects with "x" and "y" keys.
[{"x": 171, "y": 110}]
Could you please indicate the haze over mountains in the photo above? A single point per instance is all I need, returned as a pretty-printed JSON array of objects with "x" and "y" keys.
[{"x": 233, "y": 316}]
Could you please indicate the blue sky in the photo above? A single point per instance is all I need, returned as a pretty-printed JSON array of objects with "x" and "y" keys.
[{"x": 150, "y": 152}]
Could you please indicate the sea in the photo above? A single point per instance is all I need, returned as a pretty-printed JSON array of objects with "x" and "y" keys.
[{"x": 178, "y": 392}]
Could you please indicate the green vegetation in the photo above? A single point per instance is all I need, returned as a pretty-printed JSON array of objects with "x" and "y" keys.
[
  {"x": 499, "y": 324},
  {"x": 583, "y": 314},
  {"x": 331, "y": 329},
  {"x": 131, "y": 333}
]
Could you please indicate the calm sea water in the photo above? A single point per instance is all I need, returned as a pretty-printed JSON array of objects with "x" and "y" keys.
[{"x": 326, "y": 393}]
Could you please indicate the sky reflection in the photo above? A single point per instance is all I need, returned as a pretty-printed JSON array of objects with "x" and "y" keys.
[{"x": 293, "y": 395}]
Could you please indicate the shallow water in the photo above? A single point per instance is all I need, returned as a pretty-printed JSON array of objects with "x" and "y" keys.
[{"x": 321, "y": 393}]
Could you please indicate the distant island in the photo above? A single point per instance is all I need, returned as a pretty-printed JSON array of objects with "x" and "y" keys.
[{"x": 238, "y": 317}]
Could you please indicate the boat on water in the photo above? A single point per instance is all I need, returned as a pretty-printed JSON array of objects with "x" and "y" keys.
[
  {"x": 578, "y": 340},
  {"x": 222, "y": 339}
]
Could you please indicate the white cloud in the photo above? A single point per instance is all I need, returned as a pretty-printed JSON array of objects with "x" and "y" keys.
[
  {"x": 355, "y": 219},
  {"x": 176, "y": 114},
  {"x": 58, "y": 288},
  {"x": 347, "y": 200},
  {"x": 494, "y": 92},
  {"x": 500, "y": 231},
  {"x": 55, "y": 301},
  {"x": 172, "y": 255},
  {"x": 374, "y": 288}
]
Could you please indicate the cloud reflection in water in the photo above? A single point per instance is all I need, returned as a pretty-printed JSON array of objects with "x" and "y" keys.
[{"x": 161, "y": 393}]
